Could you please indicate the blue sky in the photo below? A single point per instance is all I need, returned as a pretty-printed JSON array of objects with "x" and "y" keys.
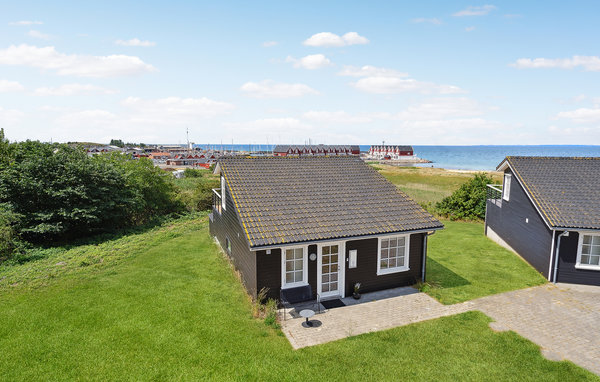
[{"x": 334, "y": 72}]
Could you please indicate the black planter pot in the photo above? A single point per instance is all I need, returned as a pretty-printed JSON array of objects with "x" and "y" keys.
[{"x": 356, "y": 295}]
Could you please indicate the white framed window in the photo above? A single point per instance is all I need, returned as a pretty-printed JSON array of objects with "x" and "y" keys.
[
  {"x": 506, "y": 187},
  {"x": 294, "y": 262},
  {"x": 588, "y": 251},
  {"x": 223, "y": 188},
  {"x": 392, "y": 254}
]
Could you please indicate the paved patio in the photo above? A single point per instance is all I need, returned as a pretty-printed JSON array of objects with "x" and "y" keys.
[
  {"x": 373, "y": 312},
  {"x": 562, "y": 319}
]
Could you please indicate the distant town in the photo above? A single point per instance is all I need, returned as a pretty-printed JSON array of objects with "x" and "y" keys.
[{"x": 190, "y": 155}]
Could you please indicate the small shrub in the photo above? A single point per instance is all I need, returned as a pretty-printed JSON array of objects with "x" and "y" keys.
[
  {"x": 468, "y": 202},
  {"x": 192, "y": 173}
]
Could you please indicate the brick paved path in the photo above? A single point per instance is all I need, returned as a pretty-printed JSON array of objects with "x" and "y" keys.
[{"x": 564, "y": 320}]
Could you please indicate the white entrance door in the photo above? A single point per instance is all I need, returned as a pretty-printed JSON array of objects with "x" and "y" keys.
[{"x": 330, "y": 270}]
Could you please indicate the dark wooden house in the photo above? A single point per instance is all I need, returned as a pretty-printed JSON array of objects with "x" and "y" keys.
[
  {"x": 328, "y": 222},
  {"x": 548, "y": 211}
]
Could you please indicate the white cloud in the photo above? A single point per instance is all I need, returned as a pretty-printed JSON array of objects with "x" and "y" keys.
[
  {"x": 135, "y": 42},
  {"x": 272, "y": 89},
  {"x": 48, "y": 58},
  {"x": 10, "y": 117},
  {"x": 73, "y": 89},
  {"x": 38, "y": 34},
  {"x": 589, "y": 63},
  {"x": 469, "y": 29},
  {"x": 268, "y": 44},
  {"x": 476, "y": 10},
  {"x": 440, "y": 109},
  {"x": 337, "y": 117},
  {"x": 311, "y": 62},
  {"x": 582, "y": 115},
  {"x": 10, "y": 86},
  {"x": 174, "y": 109},
  {"x": 328, "y": 39},
  {"x": 369, "y": 71},
  {"x": 392, "y": 85},
  {"x": 87, "y": 119},
  {"x": 420, "y": 20},
  {"x": 25, "y": 23}
]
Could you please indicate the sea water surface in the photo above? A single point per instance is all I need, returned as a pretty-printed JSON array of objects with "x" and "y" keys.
[{"x": 460, "y": 157}]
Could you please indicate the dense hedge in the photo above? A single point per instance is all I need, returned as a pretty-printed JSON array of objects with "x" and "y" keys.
[
  {"x": 51, "y": 193},
  {"x": 468, "y": 202}
]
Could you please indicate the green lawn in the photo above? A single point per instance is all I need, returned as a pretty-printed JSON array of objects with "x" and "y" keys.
[
  {"x": 426, "y": 184},
  {"x": 165, "y": 305},
  {"x": 463, "y": 264}
]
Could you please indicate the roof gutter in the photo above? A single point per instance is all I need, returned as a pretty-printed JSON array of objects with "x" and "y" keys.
[{"x": 334, "y": 239}]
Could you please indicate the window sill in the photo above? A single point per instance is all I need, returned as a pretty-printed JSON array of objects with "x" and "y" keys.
[
  {"x": 588, "y": 267},
  {"x": 382, "y": 272},
  {"x": 294, "y": 285}
]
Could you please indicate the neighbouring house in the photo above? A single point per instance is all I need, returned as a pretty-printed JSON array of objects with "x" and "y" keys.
[
  {"x": 318, "y": 150},
  {"x": 548, "y": 211},
  {"x": 328, "y": 222},
  {"x": 391, "y": 152},
  {"x": 159, "y": 155}
]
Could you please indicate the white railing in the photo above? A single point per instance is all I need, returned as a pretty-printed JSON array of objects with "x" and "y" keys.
[{"x": 494, "y": 194}]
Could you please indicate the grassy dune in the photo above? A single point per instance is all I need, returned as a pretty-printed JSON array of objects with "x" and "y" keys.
[{"x": 426, "y": 184}]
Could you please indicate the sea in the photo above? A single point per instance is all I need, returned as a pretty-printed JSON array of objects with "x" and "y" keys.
[{"x": 480, "y": 158}]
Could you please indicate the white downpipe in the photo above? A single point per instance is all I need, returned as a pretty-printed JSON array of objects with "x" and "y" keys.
[
  {"x": 427, "y": 234},
  {"x": 551, "y": 256},
  {"x": 566, "y": 233}
]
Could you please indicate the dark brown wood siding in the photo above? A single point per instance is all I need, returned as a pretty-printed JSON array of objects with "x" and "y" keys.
[
  {"x": 366, "y": 266},
  {"x": 519, "y": 224},
  {"x": 226, "y": 225},
  {"x": 567, "y": 258},
  {"x": 268, "y": 272},
  {"x": 312, "y": 269}
]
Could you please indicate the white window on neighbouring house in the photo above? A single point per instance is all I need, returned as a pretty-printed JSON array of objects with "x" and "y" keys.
[
  {"x": 506, "y": 187},
  {"x": 223, "y": 188},
  {"x": 392, "y": 254},
  {"x": 294, "y": 263},
  {"x": 588, "y": 254}
]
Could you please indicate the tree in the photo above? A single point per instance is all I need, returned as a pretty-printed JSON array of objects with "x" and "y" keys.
[
  {"x": 117, "y": 142},
  {"x": 61, "y": 193},
  {"x": 468, "y": 202}
]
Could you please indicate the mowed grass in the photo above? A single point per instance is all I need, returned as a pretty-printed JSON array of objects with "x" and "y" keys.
[
  {"x": 171, "y": 308},
  {"x": 464, "y": 264},
  {"x": 426, "y": 184}
]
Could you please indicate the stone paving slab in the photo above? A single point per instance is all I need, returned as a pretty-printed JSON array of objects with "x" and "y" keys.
[{"x": 562, "y": 319}]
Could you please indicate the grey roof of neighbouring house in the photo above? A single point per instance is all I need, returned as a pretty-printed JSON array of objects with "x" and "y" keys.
[
  {"x": 282, "y": 200},
  {"x": 564, "y": 189}
]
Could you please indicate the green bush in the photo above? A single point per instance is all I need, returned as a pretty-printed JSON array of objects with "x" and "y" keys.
[
  {"x": 192, "y": 173},
  {"x": 468, "y": 202},
  {"x": 61, "y": 194}
]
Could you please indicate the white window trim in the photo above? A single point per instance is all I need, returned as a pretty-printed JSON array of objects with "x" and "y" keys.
[
  {"x": 505, "y": 187},
  {"x": 578, "y": 264},
  {"x": 304, "y": 281},
  {"x": 223, "y": 192},
  {"x": 406, "y": 255}
]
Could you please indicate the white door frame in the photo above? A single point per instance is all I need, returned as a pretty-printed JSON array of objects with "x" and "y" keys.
[{"x": 341, "y": 269}]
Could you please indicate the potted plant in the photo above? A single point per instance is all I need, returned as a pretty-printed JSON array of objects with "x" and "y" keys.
[{"x": 356, "y": 293}]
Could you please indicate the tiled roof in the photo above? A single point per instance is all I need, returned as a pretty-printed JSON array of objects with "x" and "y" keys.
[
  {"x": 285, "y": 148},
  {"x": 283, "y": 200},
  {"x": 565, "y": 189}
]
